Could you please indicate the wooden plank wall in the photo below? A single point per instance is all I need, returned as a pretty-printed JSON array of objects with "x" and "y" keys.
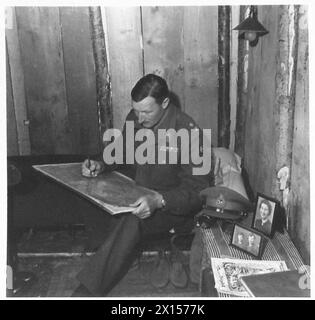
[
  {"x": 57, "y": 65},
  {"x": 201, "y": 66},
  {"x": 80, "y": 79},
  {"x": 242, "y": 90},
  {"x": 123, "y": 32},
  {"x": 41, "y": 48},
  {"x": 12, "y": 136},
  {"x": 178, "y": 43},
  {"x": 261, "y": 123},
  {"x": 277, "y": 88},
  {"x": 234, "y": 49},
  {"x": 163, "y": 46},
  {"x": 56, "y": 59},
  {"x": 17, "y": 81},
  {"x": 300, "y": 173}
]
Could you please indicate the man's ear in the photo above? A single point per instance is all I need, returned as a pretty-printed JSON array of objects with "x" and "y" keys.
[{"x": 165, "y": 103}]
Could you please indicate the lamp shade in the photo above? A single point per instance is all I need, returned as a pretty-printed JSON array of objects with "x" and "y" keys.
[{"x": 251, "y": 24}]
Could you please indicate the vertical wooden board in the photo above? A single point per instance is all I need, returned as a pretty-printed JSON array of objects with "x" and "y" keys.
[
  {"x": 271, "y": 101},
  {"x": 252, "y": 152},
  {"x": 261, "y": 123},
  {"x": 300, "y": 180},
  {"x": 42, "y": 56},
  {"x": 235, "y": 20},
  {"x": 123, "y": 32},
  {"x": 224, "y": 108},
  {"x": 164, "y": 48},
  {"x": 80, "y": 79},
  {"x": 265, "y": 103},
  {"x": 201, "y": 66},
  {"x": 18, "y": 84},
  {"x": 242, "y": 90},
  {"x": 12, "y": 143}
]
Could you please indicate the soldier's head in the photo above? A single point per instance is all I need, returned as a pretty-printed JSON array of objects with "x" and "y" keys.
[
  {"x": 251, "y": 239},
  {"x": 240, "y": 238},
  {"x": 150, "y": 98}
]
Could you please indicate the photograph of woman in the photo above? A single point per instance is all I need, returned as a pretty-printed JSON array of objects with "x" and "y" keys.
[{"x": 264, "y": 216}]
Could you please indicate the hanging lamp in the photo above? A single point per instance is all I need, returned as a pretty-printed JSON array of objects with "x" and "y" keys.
[{"x": 251, "y": 29}]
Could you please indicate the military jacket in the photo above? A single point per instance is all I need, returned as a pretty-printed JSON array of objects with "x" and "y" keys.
[{"x": 175, "y": 181}]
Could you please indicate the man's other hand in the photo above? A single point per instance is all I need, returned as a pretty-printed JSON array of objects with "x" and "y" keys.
[
  {"x": 146, "y": 205},
  {"x": 92, "y": 168}
]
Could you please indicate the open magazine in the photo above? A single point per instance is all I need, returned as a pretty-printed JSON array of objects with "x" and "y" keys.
[
  {"x": 228, "y": 272},
  {"x": 112, "y": 191}
]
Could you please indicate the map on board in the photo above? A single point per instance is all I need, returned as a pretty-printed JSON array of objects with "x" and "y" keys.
[{"x": 112, "y": 191}]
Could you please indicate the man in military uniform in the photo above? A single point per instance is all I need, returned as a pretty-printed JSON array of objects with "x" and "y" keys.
[
  {"x": 240, "y": 239},
  {"x": 252, "y": 246},
  {"x": 177, "y": 190}
]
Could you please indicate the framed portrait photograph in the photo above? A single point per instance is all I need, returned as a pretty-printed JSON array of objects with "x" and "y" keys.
[
  {"x": 266, "y": 210},
  {"x": 247, "y": 240}
]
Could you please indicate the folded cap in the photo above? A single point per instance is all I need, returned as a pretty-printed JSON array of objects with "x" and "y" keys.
[{"x": 224, "y": 203}]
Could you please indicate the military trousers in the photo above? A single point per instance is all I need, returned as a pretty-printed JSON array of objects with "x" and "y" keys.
[{"x": 120, "y": 244}]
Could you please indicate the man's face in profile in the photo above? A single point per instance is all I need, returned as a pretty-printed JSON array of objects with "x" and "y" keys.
[{"x": 148, "y": 111}]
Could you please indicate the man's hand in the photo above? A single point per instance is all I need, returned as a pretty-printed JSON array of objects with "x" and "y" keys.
[
  {"x": 146, "y": 205},
  {"x": 92, "y": 168}
]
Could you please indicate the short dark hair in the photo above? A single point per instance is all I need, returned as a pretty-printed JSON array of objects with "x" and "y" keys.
[{"x": 150, "y": 85}]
